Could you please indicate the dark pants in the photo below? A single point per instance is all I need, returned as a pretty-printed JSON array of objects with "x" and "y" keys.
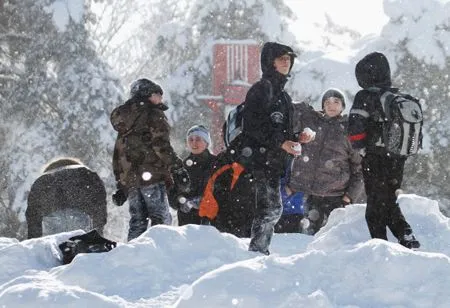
[
  {"x": 319, "y": 209},
  {"x": 383, "y": 175},
  {"x": 268, "y": 211},
  {"x": 190, "y": 217},
  {"x": 290, "y": 223}
]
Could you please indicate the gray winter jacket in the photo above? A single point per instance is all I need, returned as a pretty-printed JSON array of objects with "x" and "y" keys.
[{"x": 328, "y": 165}]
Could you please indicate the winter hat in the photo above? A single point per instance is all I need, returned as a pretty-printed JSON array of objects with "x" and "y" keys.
[
  {"x": 144, "y": 88},
  {"x": 201, "y": 131},
  {"x": 271, "y": 51},
  {"x": 333, "y": 93},
  {"x": 373, "y": 71}
]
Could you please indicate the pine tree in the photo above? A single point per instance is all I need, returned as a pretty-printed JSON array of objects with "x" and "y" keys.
[
  {"x": 58, "y": 98},
  {"x": 183, "y": 55},
  {"x": 422, "y": 66}
]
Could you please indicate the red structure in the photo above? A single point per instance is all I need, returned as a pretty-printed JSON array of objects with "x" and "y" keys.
[{"x": 236, "y": 68}]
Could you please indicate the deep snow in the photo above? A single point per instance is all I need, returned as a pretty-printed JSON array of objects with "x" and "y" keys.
[{"x": 196, "y": 266}]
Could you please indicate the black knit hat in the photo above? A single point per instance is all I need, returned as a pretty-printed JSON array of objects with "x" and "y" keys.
[
  {"x": 144, "y": 88},
  {"x": 333, "y": 93}
]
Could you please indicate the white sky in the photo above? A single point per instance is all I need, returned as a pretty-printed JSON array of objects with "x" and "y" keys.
[
  {"x": 196, "y": 266},
  {"x": 366, "y": 17}
]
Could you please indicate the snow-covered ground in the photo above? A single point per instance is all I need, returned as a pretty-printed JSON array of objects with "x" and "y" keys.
[{"x": 196, "y": 266}]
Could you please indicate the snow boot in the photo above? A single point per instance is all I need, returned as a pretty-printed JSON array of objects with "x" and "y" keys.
[{"x": 409, "y": 241}]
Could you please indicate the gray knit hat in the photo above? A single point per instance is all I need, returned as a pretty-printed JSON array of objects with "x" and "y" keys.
[
  {"x": 201, "y": 131},
  {"x": 333, "y": 93}
]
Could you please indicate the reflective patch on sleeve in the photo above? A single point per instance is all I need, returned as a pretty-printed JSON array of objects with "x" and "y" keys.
[
  {"x": 361, "y": 112},
  {"x": 357, "y": 137}
]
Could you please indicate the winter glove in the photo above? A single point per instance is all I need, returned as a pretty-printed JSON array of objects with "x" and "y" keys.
[
  {"x": 187, "y": 205},
  {"x": 181, "y": 179},
  {"x": 362, "y": 152},
  {"x": 119, "y": 197}
]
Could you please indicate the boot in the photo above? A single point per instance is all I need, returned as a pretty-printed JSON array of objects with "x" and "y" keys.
[{"x": 409, "y": 241}]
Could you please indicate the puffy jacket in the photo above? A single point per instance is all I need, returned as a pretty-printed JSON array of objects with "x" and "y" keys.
[
  {"x": 199, "y": 167},
  {"x": 328, "y": 165},
  {"x": 74, "y": 186},
  {"x": 142, "y": 145}
]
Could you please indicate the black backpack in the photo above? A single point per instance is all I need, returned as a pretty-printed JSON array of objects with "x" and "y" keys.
[
  {"x": 402, "y": 123},
  {"x": 233, "y": 128},
  {"x": 91, "y": 242}
]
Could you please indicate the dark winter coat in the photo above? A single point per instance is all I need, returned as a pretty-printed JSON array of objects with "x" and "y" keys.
[
  {"x": 267, "y": 116},
  {"x": 199, "y": 168},
  {"x": 228, "y": 199},
  {"x": 328, "y": 165},
  {"x": 142, "y": 145},
  {"x": 383, "y": 173},
  {"x": 236, "y": 204},
  {"x": 363, "y": 129},
  {"x": 66, "y": 187}
]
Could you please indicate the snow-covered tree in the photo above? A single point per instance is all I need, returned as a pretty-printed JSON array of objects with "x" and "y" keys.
[
  {"x": 184, "y": 50},
  {"x": 58, "y": 96},
  {"x": 421, "y": 35},
  {"x": 415, "y": 40},
  {"x": 171, "y": 42}
]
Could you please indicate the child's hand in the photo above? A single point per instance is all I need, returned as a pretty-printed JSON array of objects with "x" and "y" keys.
[{"x": 307, "y": 135}]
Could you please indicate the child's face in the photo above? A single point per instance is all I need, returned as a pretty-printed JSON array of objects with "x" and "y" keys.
[
  {"x": 283, "y": 64},
  {"x": 332, "y": 107},
  {"x": 155, "y": 98},
  {"x": 196, "y": 144}
]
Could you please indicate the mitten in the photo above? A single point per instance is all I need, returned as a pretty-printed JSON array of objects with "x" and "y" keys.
[
  {"x": 188, "y": 205},
  {"x": 181, "y": 179},
  {"x": 119, "y": 197},
  {"x": 362, "y": 152}
]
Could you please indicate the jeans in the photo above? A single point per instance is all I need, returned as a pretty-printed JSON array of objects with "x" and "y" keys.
[
  {"x": 268, "y": 212},
  {"x": 66, "y": 220},
  {"x": 148, "y": 202}
]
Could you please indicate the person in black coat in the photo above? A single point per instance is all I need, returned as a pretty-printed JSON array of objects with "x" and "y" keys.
[
  {"x": 383, "y": 173},
  {"x": 199, "y": 165},
  {"x": 268, "y": 139},
  {"x": 66, "y": 184}
]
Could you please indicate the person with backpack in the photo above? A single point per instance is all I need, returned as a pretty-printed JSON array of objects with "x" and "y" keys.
[
  {"x": 329, "y": 170},
  {"x": 144, "y": 161},
  {"x": 199, "y": 165},
  {"x": 242, "y": 197},
  {"x": 266, "y": 141},
  {"x": 382, "y": 167},
  {"x": 66, "y": 196}
]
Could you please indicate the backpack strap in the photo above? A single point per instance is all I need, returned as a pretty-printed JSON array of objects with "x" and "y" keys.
[
  {"x": 377, "y": 115},
  {"x": 269, "y": 84}
]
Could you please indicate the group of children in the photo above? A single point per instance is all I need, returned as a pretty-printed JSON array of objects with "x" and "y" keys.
[{"x": 240, "y": 190}]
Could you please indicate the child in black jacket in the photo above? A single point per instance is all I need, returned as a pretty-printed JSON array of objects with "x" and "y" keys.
[{"x": 383, "y": 173}]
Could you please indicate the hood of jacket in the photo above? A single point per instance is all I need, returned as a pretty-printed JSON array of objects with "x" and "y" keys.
[
  {"x": 373, "y": 71},
  {"x": 124, "y": 117},
  {"x": 269, "y": 53}
]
